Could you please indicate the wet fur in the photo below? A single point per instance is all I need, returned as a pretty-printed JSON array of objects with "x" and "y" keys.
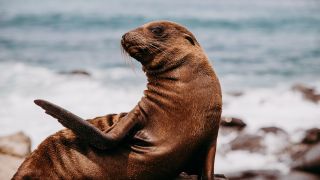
[{"x": 172, "y": 129}]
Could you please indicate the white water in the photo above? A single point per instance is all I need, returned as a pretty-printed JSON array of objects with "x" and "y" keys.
[{"x": 89, "y": 97}]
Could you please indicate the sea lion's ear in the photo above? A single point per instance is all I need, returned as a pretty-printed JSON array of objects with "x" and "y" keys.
[{"x": 190, "y": 39}]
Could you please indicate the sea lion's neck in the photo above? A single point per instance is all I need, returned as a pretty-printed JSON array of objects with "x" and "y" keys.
[
  {"x": 166, "y": 62},
  {"x": 177, "y": 64},
  {"x": 169, "y": 82}
]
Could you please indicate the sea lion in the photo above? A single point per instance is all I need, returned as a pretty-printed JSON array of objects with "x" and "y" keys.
[{"x": 172, "y": 129}]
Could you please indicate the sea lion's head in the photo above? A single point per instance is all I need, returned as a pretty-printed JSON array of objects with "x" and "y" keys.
[{"x": 158, "y": 41}]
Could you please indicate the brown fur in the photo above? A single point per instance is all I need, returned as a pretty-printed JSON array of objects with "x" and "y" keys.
[{"x": 172, "y": 129}]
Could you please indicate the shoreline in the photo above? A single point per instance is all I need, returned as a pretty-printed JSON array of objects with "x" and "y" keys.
[{"x": 236, "y": 147}]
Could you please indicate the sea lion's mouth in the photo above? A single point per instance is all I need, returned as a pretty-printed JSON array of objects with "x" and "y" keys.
[{"x": 134, "y": 50}]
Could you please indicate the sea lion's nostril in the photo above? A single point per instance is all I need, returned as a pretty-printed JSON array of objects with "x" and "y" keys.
[{"x": 124, "y": 36}]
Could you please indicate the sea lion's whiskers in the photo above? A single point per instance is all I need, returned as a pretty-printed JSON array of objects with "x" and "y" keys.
[
  {"x": 160, "y": 50},
  {"x": 127, "y": 59}
]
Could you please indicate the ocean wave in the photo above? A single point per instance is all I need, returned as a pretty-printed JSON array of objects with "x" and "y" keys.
[
  {"x": 118, "y": 90},
  {"x": 88, "y": 97},
  {"x": 85, "y": 22},
  {"x": 71, "y": 22},
  {"x": 275, "y": 106}
]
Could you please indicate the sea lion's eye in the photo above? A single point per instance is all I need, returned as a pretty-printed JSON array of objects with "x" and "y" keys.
[{"x": 157, "y": 30}]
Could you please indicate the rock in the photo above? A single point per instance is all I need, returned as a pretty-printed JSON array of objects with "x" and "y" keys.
[
  {"x": 308, "y": 92},
  {"x": 275, "y": 139},
  {"x": 18, "y": 145},
  {"x": 308, "y": 161},
  {"x": 185, "y": 176},
  {"x": 254, "y": 175},
  {"x": 298, "y": 175},
  {"x": 77, "y": 72},
  {"x": 271, "y": 174},
  {"x": 248, "y": 142},
  {"x": 312, "y": 136},
  {"x": 297, "y": 150},
  {"x": 235, "y": 93},
  {"x": 273, "y": 129},
  {"x": 232, "y": 122},
  {"x": 9, "y": 165},
  {"x": 220, "y": 177}
]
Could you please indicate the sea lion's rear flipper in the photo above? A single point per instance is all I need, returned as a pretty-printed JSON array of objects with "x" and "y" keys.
[{"x": 84, "y": 129}]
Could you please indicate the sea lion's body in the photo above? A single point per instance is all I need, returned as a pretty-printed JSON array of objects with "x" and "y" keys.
[{"x": 174, "y": 126}]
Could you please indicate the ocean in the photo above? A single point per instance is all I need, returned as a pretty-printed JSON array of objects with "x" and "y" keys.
[{"x": 258, "y": 48}]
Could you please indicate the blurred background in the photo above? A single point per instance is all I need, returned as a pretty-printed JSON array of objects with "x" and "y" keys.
[{"x": 266, "y": 54}]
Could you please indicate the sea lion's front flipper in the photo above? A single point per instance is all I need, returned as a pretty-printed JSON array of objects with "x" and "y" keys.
[
  {"x": 84, "y": 129},
  {"x": 208, "y": 169}
]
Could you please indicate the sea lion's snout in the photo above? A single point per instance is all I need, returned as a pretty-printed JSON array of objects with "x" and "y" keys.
[
  {"x": 124, "y": 36},
  {"x": 135, "y": 44},
  {"x": 124, "y": 40}
]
